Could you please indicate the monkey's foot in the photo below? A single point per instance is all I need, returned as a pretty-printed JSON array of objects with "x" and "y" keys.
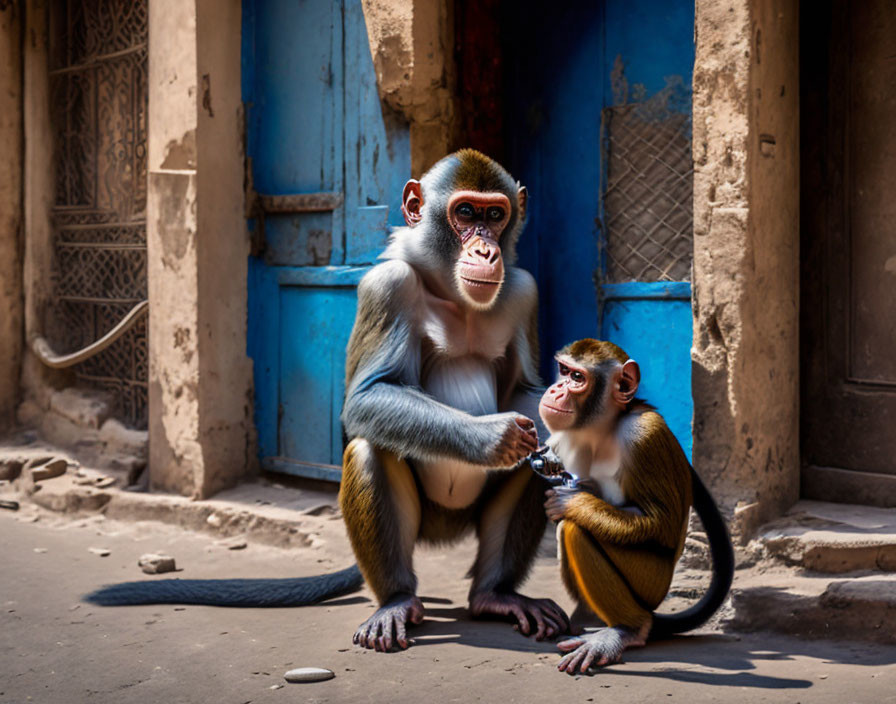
[
  {"x": 388, "y": 625},
  {"x": 603, "y": 647},
  {"x": 550, "y": 620}
]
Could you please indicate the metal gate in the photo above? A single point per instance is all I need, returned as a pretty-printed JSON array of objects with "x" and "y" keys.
[{"x": 98, "y": 94}]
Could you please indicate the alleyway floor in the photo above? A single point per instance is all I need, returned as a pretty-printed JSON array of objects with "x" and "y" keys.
[{"x": 55, "y": 648}]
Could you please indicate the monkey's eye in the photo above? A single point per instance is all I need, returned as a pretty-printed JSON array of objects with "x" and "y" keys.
[
  {"x": 465, "y": 210},
  {"x": 563, "y": 369},
  {"x": 495, "y": 214},
  {"x": 577, "y": 377}
]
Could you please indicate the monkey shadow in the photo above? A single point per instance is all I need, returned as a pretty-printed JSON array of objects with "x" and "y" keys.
[
  {"x": 715, "y": 651},
  {"x": 455, "y": 625}
]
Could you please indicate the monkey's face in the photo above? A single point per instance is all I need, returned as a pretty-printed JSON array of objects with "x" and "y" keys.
[
  {"x": 477, "y": 220},
  {"x": 563, "y": 405}
]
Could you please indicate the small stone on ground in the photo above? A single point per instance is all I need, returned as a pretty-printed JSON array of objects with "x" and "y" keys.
[
  {"x": 152, "y": 563},
  {"x": 309, "y": 674}
]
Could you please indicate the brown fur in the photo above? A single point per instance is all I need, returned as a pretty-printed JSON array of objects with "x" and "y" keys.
[
  {"x": 477, "y": 172},
  {"x": 592, "y": 352},
  {"x": 655, "y": 476}
]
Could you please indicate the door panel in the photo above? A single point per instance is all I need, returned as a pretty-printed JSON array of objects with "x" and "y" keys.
[
  {"x": 312, "y": 370},
  {"x": 848, "y": 310},
  {"x": 663, "y": 309},
  {"x": 327, "y": 164}
]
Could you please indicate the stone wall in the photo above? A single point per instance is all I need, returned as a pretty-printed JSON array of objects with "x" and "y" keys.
[
  {"x": 746, "y": 255},
  {"x": 11, "y": 295}
]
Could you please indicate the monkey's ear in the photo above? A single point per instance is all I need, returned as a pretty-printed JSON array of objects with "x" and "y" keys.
[
  {"x": 523, "y": 197},
  {"x": 629, "y": 378},
  {"x": 412, "y": 202}
]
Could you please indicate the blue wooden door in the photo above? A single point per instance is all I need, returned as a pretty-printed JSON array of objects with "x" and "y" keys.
[
  {"x": 599, "y": 131},
  {"x": 327, "y": 165}
]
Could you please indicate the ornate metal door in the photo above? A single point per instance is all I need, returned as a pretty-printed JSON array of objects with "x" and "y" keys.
[{"x": 98, "y": 84}]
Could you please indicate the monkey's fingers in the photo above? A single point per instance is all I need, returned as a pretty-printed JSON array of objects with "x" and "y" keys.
[
  {"x": 570, "y": 644},
  {"x": 570, "y": 663},
  {"x": 590, "y": 654},
  {"x": 401, "y": 634},
  {"x": 552, "y": 626},
  {"x": 541, "y": 625},
  {"x": 557, "y": 614},
  {"x": 384, "y": 640},
  {"x": 360, "y": 637}
]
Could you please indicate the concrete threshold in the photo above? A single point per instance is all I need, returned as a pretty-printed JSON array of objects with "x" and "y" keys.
[
  {"x": 833, "y": 538},
  {"x": 823, "y": 571},
  {"x": 862, "y": 607}
]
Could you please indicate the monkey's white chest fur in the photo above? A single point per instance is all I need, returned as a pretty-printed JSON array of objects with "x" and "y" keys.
[
  {"x": 579, "y": 459},
  {"x": 468, "y": 384}
]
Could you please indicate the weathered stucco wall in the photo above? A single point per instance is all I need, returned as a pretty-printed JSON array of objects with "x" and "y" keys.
[
  {"x": 412, "y": 45},
  {"x": 199, "y": 376},
  {"x": 11, "y": 293},
  {"x": 746, "y": 235},
  {"x": 38, "y": 382},
  {"x": 175, "y": 452},
  {"x": 225, "y": 372}
]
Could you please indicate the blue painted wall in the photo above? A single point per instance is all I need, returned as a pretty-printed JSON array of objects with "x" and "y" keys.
[{"x": 559, "y": 66}]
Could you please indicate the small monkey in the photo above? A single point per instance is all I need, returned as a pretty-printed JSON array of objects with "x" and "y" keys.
[{"x": 622, "y": 525}]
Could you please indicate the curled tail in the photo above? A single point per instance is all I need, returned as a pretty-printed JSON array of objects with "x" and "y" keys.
[
  {"x": 722, "y": 568},
  {"x": 298, "y": 591}
]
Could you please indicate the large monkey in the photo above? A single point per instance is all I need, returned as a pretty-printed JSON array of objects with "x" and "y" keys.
[
  {"x": 440, "y": 375},
  {"x": 622, "y": 524},
  {"x": 440, "y": 397}
]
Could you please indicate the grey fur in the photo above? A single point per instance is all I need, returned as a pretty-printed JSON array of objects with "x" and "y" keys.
[{"x": 389, "y": 354}]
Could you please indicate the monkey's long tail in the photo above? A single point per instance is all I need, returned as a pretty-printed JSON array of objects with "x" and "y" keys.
[
  {"x": 298, "y": 591},
  {"x": 722, "y": 573}
]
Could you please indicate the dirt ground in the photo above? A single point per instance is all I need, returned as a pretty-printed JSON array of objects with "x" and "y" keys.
[{"x": 55, "y": 648}]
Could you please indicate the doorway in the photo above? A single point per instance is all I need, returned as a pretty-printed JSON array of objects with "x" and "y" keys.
[{"x": 848, "y": 252}]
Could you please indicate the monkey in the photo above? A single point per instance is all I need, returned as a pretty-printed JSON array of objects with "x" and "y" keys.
[
  {"x": 441, "y": 405},
  {"x": 441, "y": 402},
  {"x": 622, "y": 524}
]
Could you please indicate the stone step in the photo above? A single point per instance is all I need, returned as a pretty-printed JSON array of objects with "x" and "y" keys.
[
  {"x": 832, "y": 538},
  {"x": 861, "y": 608}
]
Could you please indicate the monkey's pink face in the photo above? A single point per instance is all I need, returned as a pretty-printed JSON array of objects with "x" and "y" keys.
[
  {"x": 478, "y": 219},
  {"x": 562, "y": 401}
]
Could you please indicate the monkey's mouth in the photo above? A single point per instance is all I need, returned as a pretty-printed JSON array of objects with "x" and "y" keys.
[
  {"x": 479, "y": 282},
  {"x": 556, "y": 410}
]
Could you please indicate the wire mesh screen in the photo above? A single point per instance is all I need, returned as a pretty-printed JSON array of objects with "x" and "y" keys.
[
  {"x": 648, "y": 208},
  {"x": 98, "y": 85}
]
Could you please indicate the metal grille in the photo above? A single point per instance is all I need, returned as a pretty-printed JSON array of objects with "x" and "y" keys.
[
  {"x": 98, "y": 85},
  {"x": 648, "y": 199}
]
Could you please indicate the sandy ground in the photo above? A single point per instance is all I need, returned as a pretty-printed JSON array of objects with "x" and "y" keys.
[{"x": 56, "y": 648}]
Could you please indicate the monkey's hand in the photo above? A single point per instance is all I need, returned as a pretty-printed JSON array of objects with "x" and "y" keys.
[
  {"x": 558, "y": 501},
  {"x": 517, "y": 437},
  {"x": 547, "y": 617}
]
